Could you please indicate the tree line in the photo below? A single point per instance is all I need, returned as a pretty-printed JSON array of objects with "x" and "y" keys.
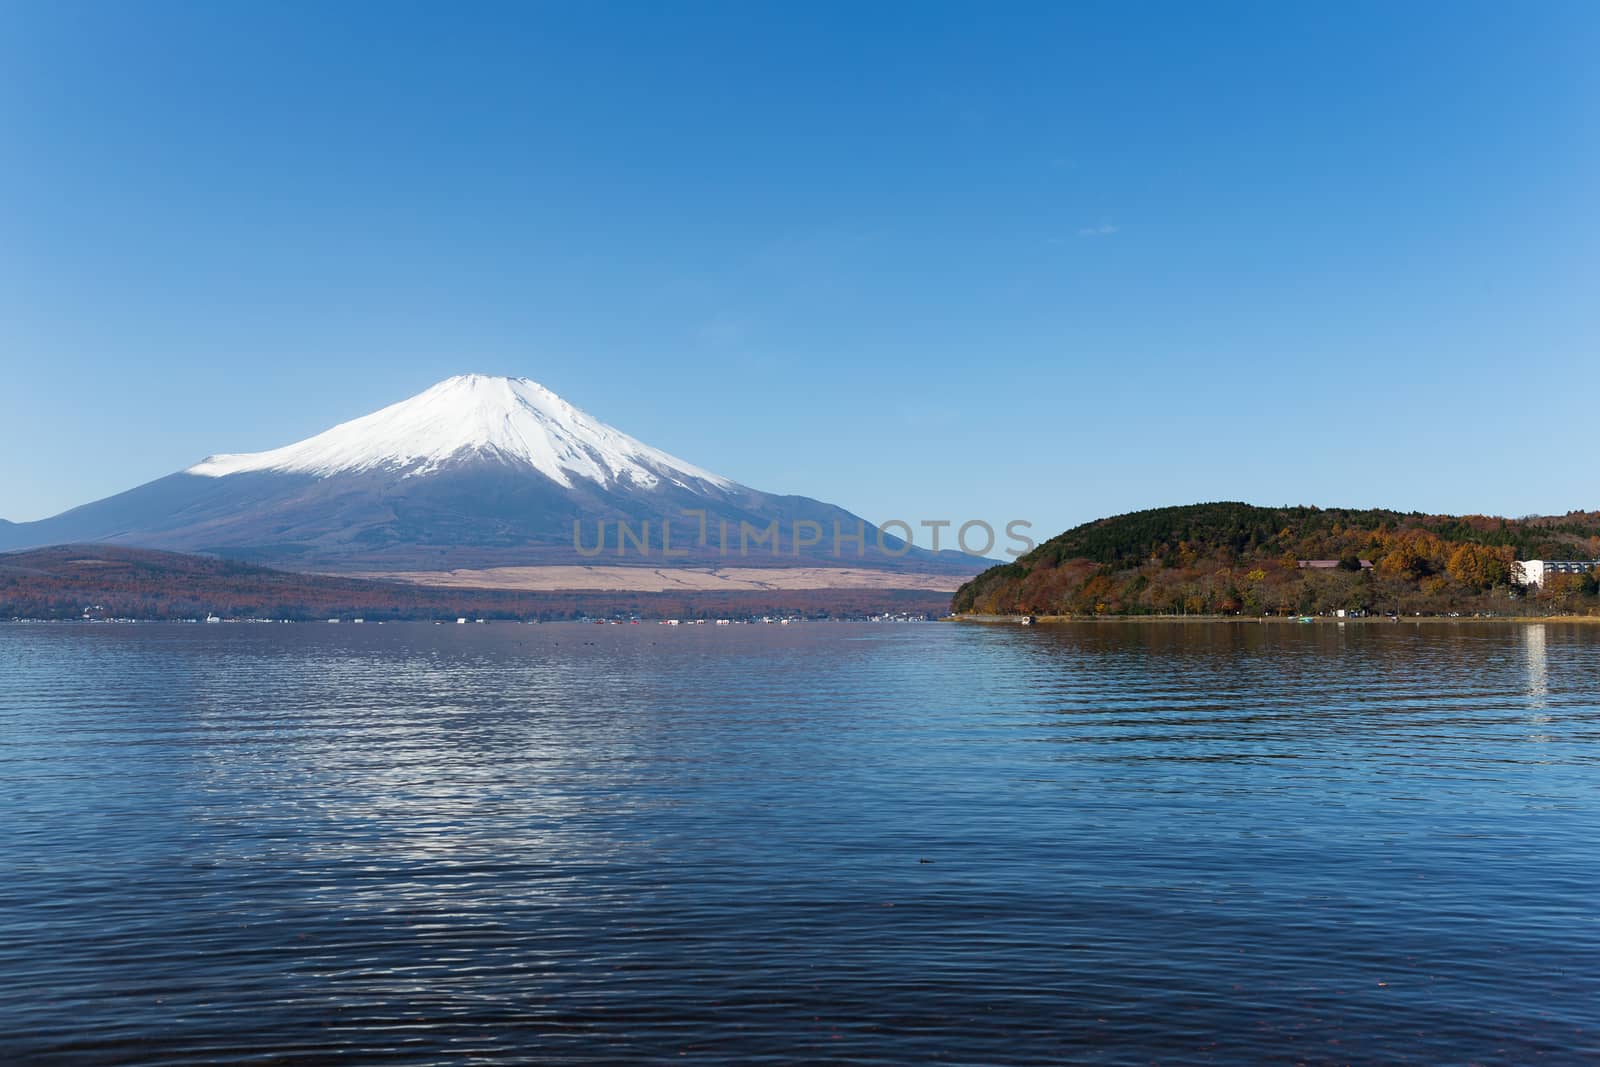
[{"x": 1230, "y": 558}]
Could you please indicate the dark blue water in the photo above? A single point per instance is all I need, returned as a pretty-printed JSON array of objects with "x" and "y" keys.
[{"x": 893, "y": 844}]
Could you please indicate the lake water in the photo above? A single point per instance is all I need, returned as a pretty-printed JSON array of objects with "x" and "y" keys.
[{"x": 1117, "y": 844}]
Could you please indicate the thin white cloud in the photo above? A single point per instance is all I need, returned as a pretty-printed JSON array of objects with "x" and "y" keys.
[{"x": 1105, "y": 229}]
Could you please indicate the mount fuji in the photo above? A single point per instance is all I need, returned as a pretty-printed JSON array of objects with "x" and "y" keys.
[{"x": 476, "y": 471}]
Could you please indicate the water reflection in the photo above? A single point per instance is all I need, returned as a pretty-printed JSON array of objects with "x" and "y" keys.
[{"x": 1537, "y": 663}]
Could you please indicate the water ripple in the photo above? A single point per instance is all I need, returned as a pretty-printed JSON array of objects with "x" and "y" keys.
[{"x": 1107, "y": 844}]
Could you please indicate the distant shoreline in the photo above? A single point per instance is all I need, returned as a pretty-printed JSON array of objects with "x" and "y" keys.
[
  {"x": 1047, "y": 620},
  {"x": 568, "y": 578}
]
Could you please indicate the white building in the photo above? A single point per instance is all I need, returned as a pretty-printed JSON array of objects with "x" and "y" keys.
[{"x": 1534, "y": 571}]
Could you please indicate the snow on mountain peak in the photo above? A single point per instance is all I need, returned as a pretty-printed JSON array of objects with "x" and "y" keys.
[{"x": 474, "y": 415}]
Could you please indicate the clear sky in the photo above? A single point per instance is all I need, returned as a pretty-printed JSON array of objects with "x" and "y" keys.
[{"x": 926, "y": 261}]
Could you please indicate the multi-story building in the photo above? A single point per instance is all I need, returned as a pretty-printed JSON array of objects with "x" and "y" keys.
[{"x": 1534, "y": 571}]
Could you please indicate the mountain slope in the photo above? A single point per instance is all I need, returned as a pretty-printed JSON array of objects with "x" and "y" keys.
[{"x": 474, "y": 472}]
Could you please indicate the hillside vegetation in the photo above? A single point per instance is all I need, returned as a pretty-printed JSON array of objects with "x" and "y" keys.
[{"x": 1227, "y": 558}]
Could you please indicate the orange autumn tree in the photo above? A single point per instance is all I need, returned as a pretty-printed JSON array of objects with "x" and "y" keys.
[{"x": 1480, "y": 566}]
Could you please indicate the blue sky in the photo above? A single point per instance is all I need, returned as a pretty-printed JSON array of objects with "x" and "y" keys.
[{"x": 926, "y": 261}]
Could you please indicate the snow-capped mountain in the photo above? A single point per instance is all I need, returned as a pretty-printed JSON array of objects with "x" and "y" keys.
[
  {"x": 509, "y": 420},
  {"x": 475, "y": 471}
]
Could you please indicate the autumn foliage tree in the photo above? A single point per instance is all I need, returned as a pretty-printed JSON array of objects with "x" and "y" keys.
[{"x": 1226, "y": 557}]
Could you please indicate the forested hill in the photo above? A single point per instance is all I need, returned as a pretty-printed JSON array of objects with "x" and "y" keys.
[{"x": 1232, "y": 557}]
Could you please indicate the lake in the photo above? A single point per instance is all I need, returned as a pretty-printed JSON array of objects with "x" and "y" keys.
[{"x": 882, "y": 844}]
